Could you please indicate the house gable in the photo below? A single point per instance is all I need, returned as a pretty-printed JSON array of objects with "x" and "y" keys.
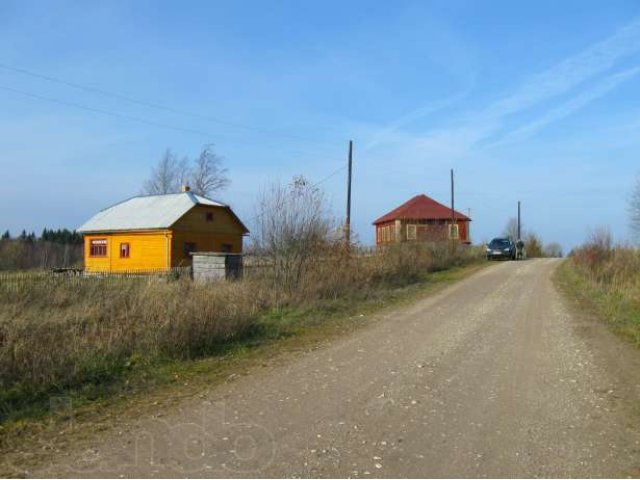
[
  {"x": 210, "y": 219},
  {"x": 206, "y": 228}
]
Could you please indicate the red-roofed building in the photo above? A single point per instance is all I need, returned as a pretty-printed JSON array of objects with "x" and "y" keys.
[{"x": 421, "y": 219}]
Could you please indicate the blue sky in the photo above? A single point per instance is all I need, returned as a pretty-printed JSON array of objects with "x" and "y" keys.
[{"x": 531, "y": 101}]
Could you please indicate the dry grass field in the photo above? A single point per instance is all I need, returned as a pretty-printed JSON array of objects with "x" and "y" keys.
[
  {"x": 605, "y": 279},
  {"x": 80, "y": 335}
]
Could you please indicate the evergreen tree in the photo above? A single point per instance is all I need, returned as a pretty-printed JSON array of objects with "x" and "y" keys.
[{"x": 62, "y": 236}]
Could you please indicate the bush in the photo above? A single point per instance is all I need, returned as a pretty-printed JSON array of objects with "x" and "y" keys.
[
  {"x": 609, "y": 278},
  {"x": 595, "y": 254}
]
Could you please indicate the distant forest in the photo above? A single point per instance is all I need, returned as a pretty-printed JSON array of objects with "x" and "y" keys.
[{"x": 53, "y": 248}]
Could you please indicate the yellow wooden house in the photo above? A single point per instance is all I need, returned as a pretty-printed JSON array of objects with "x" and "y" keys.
[{"x": 159, "y": 232}]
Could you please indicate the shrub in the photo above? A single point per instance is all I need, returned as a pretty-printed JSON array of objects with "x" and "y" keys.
[
  {"x": 607, "y": 278},
  {"x": 595, "y": 254}
]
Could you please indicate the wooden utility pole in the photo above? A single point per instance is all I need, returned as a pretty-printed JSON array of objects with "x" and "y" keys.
[
  {"x": 519, "y": 231},
  {"x": 453, "y": 215},
  {"x": 453, "y": 212},
  {"x": 348, "y": 222}
]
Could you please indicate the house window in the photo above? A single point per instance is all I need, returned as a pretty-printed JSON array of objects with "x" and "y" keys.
[
  {"x": 411, "y": 232},
  {"x": 98, "y": 247},
  {"x": 454, "y": 232},
  {"x": 226, "y": 248},
  {"x": 124, "y": 250},
  {"x": 188, "y": 248},
  {"x": 209, "y": 216}
]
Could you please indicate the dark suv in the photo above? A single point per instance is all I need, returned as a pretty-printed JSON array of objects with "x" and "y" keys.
[{"x": 501, "y": 248}]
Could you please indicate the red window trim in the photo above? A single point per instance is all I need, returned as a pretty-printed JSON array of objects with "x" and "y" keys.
[
  {"x": 128, "y": 250},
  {"x": 98, "y": 244}
]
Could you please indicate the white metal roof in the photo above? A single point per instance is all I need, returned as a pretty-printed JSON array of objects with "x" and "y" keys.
[{"x": 145, "y": 212}]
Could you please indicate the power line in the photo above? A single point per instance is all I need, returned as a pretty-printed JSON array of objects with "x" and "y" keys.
[
  {"x": 123, "y": 115},
  {"x": 141, "y": 120},
  {"x": 322, "y": 180},
  {"x": 136, "y": 119},
  {"x": 148, "y": 104},
  {"x": 332, "y": 174},
  {"x": 104, "y": 112}
]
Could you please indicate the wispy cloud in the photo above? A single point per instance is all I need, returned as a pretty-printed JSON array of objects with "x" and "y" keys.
[
  {"x": 560, "y": 79},
  {"x": 389, "y": 131},
  {"x": 567, "y": 108},
  {"x": 572, "y": 71}
]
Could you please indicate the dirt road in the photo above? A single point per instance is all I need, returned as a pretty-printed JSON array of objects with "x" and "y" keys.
[{"x": 495, "y": 376}]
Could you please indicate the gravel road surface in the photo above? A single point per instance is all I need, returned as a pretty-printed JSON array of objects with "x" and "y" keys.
[{"x": 495, "y": 376}]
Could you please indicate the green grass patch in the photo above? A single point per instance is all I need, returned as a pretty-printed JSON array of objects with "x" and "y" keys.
[{"x": 613, "y": 305}]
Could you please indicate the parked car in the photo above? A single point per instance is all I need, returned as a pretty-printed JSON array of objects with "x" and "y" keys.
[{"x": 500, "y": 248}]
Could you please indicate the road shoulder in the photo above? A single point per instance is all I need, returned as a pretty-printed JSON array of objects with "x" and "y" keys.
[{"x": 619, "y": 358}]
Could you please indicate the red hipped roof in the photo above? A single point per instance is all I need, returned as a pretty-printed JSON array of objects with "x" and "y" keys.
[{"x": 418, "y": 208}]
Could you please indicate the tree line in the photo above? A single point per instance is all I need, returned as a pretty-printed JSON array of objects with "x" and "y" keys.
[
  {"x": 533, "y": 244},
  {"x": 61, "y": 235},
  {"x": 53, "y": 248}
]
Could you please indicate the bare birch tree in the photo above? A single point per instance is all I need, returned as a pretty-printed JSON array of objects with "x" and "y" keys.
[
  {"x": 166, "y": 175},
  {"x": 511, "y": 229},
  {"x": 205, "y": 176},
  {"x": 208, "y": 175},
  {"x": 182, "y": 174}
]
